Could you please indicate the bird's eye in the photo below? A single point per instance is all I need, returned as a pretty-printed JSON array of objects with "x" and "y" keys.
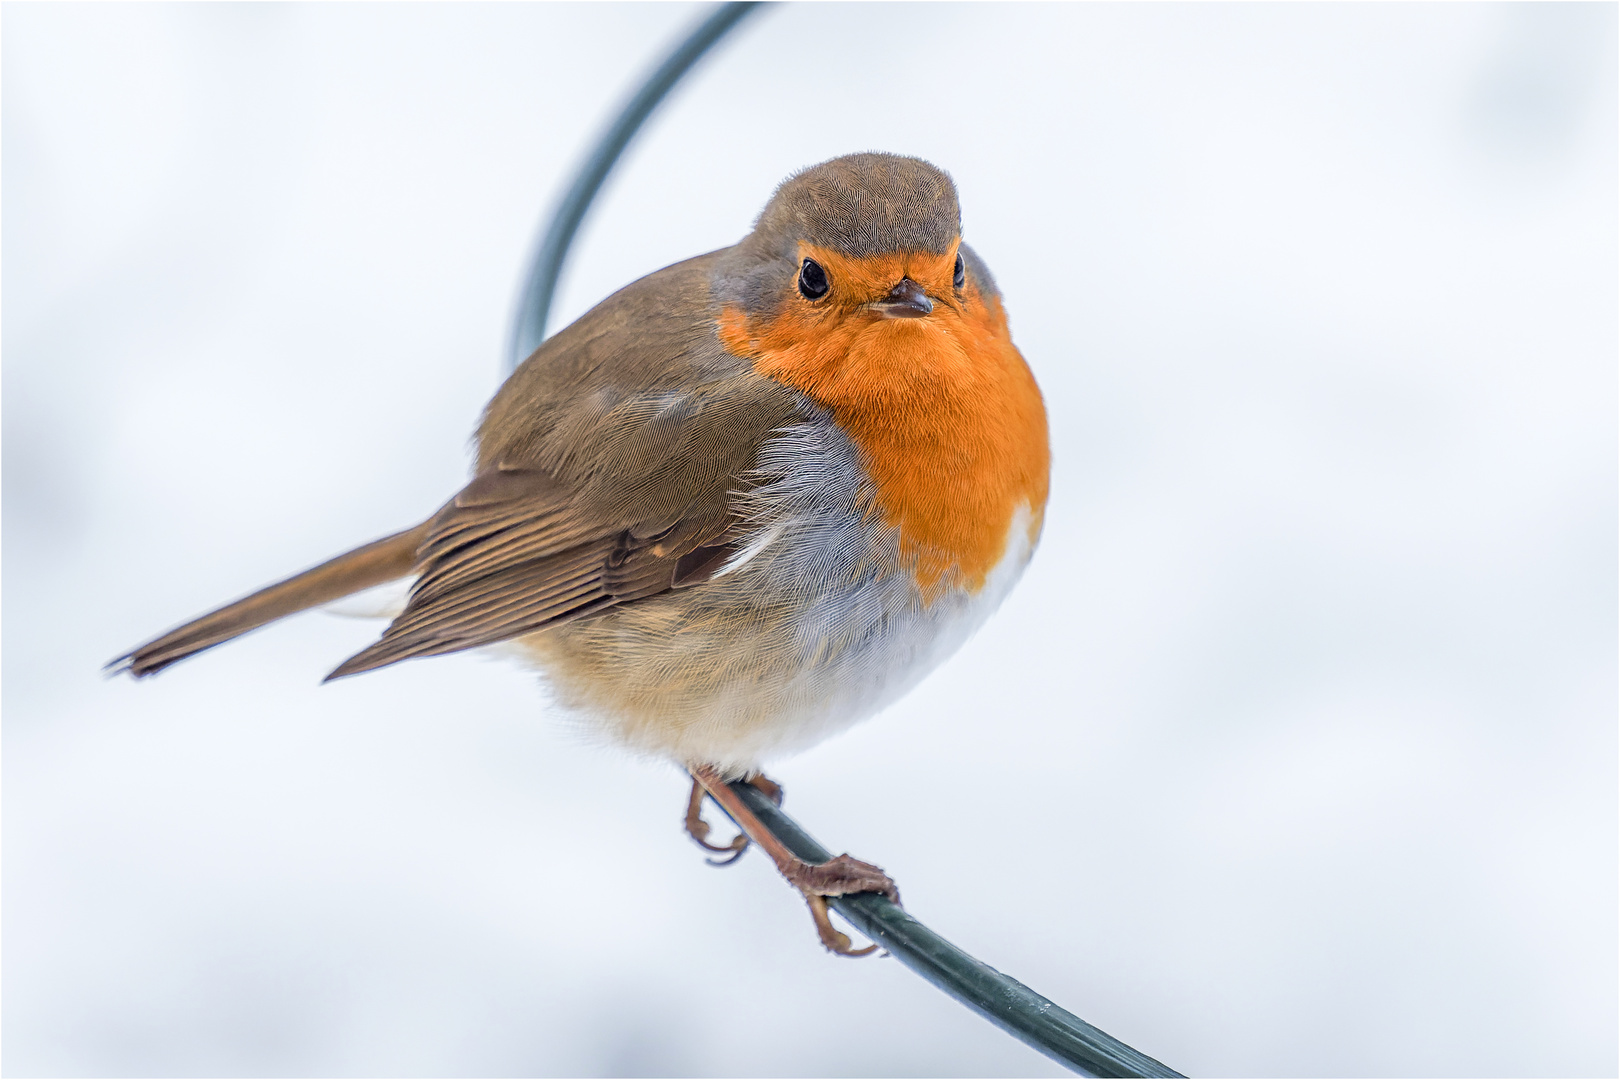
[
  {"x": 812, "y": 280},
  {"x": 959, "y": 277}
]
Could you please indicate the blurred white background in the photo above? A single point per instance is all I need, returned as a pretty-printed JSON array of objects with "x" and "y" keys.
[{"x": 1295, "y": 753}]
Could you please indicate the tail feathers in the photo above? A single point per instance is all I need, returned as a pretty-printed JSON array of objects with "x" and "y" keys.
[{"x": 383, "y": 560}]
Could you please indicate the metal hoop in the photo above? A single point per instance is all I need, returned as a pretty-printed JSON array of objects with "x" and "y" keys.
[{"x": 534, "y": 305}]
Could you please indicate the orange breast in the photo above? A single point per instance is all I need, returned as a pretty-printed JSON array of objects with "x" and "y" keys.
[{"x": 943, "y": 409}]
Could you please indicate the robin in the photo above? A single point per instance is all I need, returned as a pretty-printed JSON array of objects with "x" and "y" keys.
[{"x": 741, "y": 504}]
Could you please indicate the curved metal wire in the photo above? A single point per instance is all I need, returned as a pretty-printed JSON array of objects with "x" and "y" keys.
[
  {"x": 529, "y": 327},
  {"x": 1004, "y": 1001}
]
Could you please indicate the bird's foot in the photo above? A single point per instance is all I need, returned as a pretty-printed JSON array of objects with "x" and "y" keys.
[
  {"x": 837, "y": 877},
  {"x": 840, "y": 876},
  {"x": 699, "y": 830}
]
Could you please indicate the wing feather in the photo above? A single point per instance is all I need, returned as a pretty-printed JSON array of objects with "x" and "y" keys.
[{"x": 516, "y": 552}]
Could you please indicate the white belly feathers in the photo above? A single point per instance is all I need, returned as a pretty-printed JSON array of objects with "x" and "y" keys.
[{"x": 813, "y": 626}]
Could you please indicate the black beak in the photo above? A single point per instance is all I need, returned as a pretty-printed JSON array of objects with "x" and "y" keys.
[{"x": 905, "y": 301}]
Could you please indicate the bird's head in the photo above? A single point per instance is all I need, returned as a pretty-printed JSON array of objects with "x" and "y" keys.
[{"x": 853, "y": 262}]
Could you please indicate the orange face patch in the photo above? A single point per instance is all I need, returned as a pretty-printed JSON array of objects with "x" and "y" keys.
[{"x": 943, "y": 409}]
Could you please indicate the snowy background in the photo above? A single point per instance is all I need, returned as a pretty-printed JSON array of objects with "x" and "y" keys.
[{"x": 1295, "y": 753}]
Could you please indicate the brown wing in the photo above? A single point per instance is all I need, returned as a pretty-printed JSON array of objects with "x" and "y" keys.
[
  {"x": 515, "y": 552},
  {"x": 608, "y": 463}
]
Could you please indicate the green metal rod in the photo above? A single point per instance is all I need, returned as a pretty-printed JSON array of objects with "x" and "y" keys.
[
  {"x": 534, "y": 305},
  {"x": 1004, "y": 1001}
]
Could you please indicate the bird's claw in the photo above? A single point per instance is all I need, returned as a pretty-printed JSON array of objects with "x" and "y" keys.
[
  {"x": 767, "y": 787},
  {"x": 835, "y": 940},
  {"x": 698, "y": 830},
  {"x": 736, "y": 852}
]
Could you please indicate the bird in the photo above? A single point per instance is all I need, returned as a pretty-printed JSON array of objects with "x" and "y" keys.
[{"x": 741, "y": 504}]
